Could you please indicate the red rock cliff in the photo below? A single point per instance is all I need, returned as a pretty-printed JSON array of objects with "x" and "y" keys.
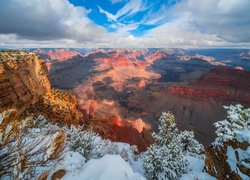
[{"x": 23, "y": 79}]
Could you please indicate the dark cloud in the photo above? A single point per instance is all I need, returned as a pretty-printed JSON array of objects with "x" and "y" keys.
[{"x": 46, "y": 20}]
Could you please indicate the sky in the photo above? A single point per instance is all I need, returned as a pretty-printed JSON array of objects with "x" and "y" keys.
[{"x": 125, "y": 23}]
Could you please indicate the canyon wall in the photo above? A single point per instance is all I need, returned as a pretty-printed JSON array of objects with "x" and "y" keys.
[
  {"x": 23, "y": 79},
  {"x": 198, "y": 105}
]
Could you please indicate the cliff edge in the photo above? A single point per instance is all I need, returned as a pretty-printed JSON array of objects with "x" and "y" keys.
[{"x": 23, "y": 79}]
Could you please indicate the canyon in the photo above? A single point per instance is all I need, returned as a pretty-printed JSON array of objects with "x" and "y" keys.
[
  {"x": 137, "y": 85},
  {"x": 123, "y": 95}
]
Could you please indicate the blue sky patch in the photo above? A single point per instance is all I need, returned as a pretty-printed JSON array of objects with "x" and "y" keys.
[{"x": 125, "y": 17}]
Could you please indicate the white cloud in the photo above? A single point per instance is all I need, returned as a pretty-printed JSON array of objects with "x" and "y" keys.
[
  {"x": 116, "y": 1},
  {"x": 228, "y": 19},
  {"x": 128, "y": 10},
  {"x": 110, "y": 16}
]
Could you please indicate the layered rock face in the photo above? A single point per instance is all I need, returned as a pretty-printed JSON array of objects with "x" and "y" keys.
[
  {"x": 23, "y": 79},
  {"x": 229, "y": 161},
  {"x": 25, "y": 86}
]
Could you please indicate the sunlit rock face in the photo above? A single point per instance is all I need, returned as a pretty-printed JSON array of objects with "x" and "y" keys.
[
  {"x": 122, "y": 130},
  {"x": 23, "y": 79}
]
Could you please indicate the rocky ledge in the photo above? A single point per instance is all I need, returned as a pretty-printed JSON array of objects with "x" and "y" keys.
[{"x": 229, "y": 161}]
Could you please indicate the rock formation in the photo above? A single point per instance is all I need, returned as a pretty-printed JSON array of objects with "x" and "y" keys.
[
  {"x": 119, "y": 130},
  {"x": 143, "y": 83},
  {"x": 23, "y": 79},
  {"x": 229, "y": 161},
  {"x": 56, "y": 54},
  {"x": 25, "y": 85}
]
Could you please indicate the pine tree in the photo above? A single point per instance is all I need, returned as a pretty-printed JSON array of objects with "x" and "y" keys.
[
  {"x": 81, "y": 141},
  {"x": 165, "y": 159},
  {"x": 188, "y": 144},
  {"x": 167, "y": 129},
  {"x": 238, "y": 119}
]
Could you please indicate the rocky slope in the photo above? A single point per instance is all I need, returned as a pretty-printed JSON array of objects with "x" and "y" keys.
[
  {"x": 122, "y": 130},
  {"x": 229, "y": 156},
  {"x": 230, "y": 161},
  {"x": 58, "y": 106},
  {"x": 23, "y": 79}
]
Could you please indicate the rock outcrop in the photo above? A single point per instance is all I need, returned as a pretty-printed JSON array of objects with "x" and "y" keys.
[
  {"x": 229, "y": 161},
  {"x": 25, "y": 86},
  {"x": 23, "y": 79}
]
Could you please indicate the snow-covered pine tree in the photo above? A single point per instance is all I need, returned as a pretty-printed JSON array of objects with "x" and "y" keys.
[
  {"x": 165, "y": 159},
  {"x": 81, "y": 141},
  {"x": 167, "y": 129},
  {"x": 237, "y": 121},
  {"x": 91, "y": 146},
  {"x": 189, "y": 145}
]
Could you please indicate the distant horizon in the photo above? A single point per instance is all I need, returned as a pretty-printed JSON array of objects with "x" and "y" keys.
[{"x": 197, "y": 48}]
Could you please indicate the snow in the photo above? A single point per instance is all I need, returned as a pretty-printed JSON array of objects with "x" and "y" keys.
[
  {"x": 235, "y": 127},
  {"x": 106, "y": 168},
  {"x": 231, "y": 158},
  {"x": 196, "y": 165},
  {"x": 72, "y": 162},
  {"x": 243, "y": 135},
  {"x": 232, "y": 161}
]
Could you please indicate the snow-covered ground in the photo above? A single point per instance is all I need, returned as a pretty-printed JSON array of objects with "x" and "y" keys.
[
  {"x": 106, "y": 168},
  {"x": 196, "y": 173}
]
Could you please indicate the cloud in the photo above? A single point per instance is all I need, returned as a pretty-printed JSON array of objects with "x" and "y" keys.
[
  {"x": 116, "y": 1},
  {"x": 110, "y": 16},
  {"x": 228, "y": 19},
  {"x": 128, "y": 10},
  {"x": 207, "y": 23},
  {"x": 47, "y": 20}
]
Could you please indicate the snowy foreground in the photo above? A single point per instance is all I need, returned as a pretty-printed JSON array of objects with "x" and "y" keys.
[
  {"x": 41, "y": 150},
  {"x": 114, "y": 167},
  {"x": 106, "y": 168}
]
